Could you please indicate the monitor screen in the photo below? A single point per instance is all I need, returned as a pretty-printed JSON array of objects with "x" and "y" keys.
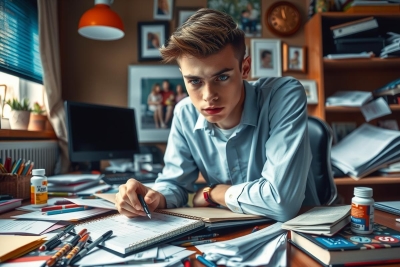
[{"x": 98, "y": 132}]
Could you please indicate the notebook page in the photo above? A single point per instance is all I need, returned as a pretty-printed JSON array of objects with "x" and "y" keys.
[{"x": 140, "y": 232}]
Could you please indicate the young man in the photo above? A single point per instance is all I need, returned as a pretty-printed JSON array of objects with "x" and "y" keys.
[{"x": 248, "y": 140}]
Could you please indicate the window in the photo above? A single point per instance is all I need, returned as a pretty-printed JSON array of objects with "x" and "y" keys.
[{"x": 19, "y": 39}]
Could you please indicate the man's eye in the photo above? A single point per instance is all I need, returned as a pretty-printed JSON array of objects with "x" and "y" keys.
[
  {"x": 223, "y": 77},
  {"x": 194, "y": 82}
]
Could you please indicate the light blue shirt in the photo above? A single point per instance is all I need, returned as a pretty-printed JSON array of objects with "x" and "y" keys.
[{"x": 266, "y": 159}]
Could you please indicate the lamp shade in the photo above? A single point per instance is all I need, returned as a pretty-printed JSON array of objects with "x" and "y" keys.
[{"x": 101, "y": 23}]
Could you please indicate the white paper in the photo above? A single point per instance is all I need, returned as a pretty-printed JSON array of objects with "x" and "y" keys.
[
  {"x": 319, "y": 215},
  {"x": 375, "y": 109},
  {"x": 65, "y": 179},
  {"x": 9, "y": 226},
  {"x": 101, "y": 188},
  {"x": 96, "y": 203},
  {"x": 70, "y": 216},
  {"x": 50, "y": 202}
]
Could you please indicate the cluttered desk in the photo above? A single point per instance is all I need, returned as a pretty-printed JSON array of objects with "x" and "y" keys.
[{"x": 261, "y": 244}]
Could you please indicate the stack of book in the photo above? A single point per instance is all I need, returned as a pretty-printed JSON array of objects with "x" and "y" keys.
[
  {"x": 9, "y": 204},
  {"x": 71, "y": 183},
  {"x": 390, "y": 92},
  {"x": 392, "y": 48}
]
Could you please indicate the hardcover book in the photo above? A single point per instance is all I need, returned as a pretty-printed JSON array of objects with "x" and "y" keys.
[{"x": 348, "y": 248}]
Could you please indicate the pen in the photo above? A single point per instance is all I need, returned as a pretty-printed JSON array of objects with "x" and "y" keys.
[
  {"x": 255, "y": 229},
  {"x": 199, "y": 237},
  {"x": 67, "y": 247},
  {"x": 54, "y": 245},
  {"x": 144, "y": 205},
  {"x": 84, "y": 251},
  {"x": 195, "y": 243},
  {"x": 61, "y": 207},
  {"x": 67, "y": 259},
  {"x": 204, "y": 261},
  {"x": 56, "y": 237},
  {"x": 186, "y": 262},
  {"x": 60, "y": 194},
  {"x": 53, "y": 212}
]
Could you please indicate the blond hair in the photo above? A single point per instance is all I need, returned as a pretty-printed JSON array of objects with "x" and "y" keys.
[{"x": 205, "y": 33}]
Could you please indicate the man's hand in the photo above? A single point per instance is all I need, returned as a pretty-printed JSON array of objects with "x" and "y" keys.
[
  {"x": 198, "y": 199},
  {"x": 128, "y": 204}
]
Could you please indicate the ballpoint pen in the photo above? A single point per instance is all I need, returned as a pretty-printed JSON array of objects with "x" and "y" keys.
[
  {"x": 61, "y": 207},
  {"x": 144, "y": 205},
  {"x": 54, "y": 245},
  {"x": 84, "y": 251},
  {"x": 67, "y": 259},
  {"x": 53, "y": 212},
  {"x": 195, "y": 243},
  {"x": 67, "y": 247},
  {"x": 56, "y": 237}
]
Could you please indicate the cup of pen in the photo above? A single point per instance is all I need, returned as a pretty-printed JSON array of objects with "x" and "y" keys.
[{"x": 16, "y": 185}]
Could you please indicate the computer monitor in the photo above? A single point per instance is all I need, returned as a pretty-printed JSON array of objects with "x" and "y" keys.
[{"x": 99, "y": 132}]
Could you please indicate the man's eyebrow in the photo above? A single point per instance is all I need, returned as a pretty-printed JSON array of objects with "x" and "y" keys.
[{"x": 213, "y": 75}]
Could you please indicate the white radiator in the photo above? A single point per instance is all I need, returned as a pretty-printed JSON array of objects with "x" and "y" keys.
[{"x": 43, "y": 153}]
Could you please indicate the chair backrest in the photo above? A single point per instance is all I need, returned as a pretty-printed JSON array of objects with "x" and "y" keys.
[{"x": 320, "y": 135}]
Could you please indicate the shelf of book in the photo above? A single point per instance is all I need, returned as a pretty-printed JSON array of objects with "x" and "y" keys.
[
  {"x": 367, "y": 180},
  {"x": 355, "y": 109},
  {"x": 361, "y": 63}
]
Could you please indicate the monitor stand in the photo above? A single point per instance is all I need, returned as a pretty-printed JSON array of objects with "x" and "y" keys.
[{"x": 86, "y": 167}]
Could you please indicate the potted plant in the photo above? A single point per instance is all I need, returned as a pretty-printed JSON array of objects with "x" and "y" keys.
[
  {"x": 19, "y": 115},
  {"x": 38, "y": 118}
]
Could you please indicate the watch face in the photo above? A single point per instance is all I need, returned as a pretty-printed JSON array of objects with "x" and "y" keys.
[{"x": 283, "y": 19}]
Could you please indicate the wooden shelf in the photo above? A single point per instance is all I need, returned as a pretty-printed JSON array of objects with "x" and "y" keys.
[
  {"x": 360, "y": 63},
  {"x": 22, "y": 134},
  {"x": 367, "y": 180},
  {"x": 355, "y": 109}
]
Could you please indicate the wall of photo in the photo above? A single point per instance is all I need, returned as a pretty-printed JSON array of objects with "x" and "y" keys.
[{"x": 97, "y": 71}]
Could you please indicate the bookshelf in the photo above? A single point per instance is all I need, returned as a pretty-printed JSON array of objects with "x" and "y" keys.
[{"x": 350, "y": 74}]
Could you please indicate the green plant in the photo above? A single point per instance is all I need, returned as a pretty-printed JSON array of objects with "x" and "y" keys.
[
  {"x": 16, "y": 105},
  {"x": 38, "y": 109}
]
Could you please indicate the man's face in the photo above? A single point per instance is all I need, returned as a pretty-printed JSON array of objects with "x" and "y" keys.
[
  {"x": 165, "y": 85},
  {"x": 215, "y": 85}
]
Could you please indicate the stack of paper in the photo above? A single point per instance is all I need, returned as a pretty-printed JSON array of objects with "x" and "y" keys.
[
  {"x": 389, "y": 206},
  {"x": 72, "y": 182},
  {"x": 366, "y": 149},
  {"x": 349, "y": 98},
  {"x": 320, "y": 220}
]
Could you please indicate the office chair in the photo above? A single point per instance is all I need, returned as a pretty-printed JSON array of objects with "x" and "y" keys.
[{"x": 320, "y": 135}]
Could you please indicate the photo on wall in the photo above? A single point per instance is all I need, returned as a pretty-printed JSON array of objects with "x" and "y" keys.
[
  {"x": 266, "y": 58},
  {"x": 163, "y": 9},
  {"x": 247, "y": 13}
]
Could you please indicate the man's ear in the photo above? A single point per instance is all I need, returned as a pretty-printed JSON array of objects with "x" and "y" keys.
[{"x": 246, "y": 66}]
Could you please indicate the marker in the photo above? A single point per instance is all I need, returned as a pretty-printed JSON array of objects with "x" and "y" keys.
[
  {"x": 54, "y": 245},
  {"x": 54, "y": 212},
  {"x": 61, "y": 207},
  {"x": 67, "y": 259},
  {"x": 195, "y": 243},
  {"x": 56, "y": 237},
  {"x": 84, "y": 251},
  {"x": 186, "y": 262},
  {"x": 144, "y": 205},
  {"x": 204, "y": 261}
]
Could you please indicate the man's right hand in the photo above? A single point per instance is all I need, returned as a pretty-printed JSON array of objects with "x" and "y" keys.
[{"x": 128, "y": 204}]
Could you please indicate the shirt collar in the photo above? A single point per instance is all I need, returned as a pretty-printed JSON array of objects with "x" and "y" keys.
[{"x": 248, "y": 114}]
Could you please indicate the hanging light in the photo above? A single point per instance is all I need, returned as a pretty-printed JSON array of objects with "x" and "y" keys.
[{"x": 101, "y": 23}]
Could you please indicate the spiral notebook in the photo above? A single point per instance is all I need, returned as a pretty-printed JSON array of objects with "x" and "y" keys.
[{"x": 140, "y": 233}]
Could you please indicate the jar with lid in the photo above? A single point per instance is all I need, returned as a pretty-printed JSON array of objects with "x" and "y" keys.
[
  {"x": 39, "y": 188},
  {"x": 362, "y": 211}
]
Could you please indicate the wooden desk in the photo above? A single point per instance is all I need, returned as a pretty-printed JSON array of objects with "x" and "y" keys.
[{"x": 296, "y": 258}]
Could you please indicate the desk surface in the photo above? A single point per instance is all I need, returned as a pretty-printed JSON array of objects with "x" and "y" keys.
[{"x": 296, "y": 257}]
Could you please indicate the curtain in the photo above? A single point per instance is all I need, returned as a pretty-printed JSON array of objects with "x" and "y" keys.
[{"x": 50, "y": 56}]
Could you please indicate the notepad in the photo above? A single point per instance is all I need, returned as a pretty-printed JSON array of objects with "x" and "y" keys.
[
  {"x": 132, "y": 235},
  {"x": 18, "y": 245}
]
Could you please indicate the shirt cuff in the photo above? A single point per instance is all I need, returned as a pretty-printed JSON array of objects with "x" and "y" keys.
[
  {"x": 232, "y": 196},
  {"x": 169, "y": 195}
]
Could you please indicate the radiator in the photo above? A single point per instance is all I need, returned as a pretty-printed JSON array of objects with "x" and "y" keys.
[{"x": 43, "y": 153}]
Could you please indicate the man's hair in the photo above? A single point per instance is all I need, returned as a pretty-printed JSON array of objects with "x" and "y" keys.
[
  {"x": 205, "y": 33},
  {"x": 265, "y": 53}
]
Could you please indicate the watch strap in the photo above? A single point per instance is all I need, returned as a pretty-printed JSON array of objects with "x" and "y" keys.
[{"x": 207, "y": 193}]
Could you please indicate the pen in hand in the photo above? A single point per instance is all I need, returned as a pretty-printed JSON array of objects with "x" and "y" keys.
[
  {"x": 84, "y": 251},
  {"x": 144, "y": 205}
]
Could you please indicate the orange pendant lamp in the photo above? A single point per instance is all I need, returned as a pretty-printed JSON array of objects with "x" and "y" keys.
[{"x": 101, "y": 23}]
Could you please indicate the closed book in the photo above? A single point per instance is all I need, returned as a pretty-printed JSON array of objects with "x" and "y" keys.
[
  {"x": 10, "y": 204},
  {"x": 70, "y": 187},
  {"x": 347, "y": 248},
  {"x": 366, "y": 27}
]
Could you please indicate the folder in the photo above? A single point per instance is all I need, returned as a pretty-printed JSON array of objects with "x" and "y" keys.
[
  {"x": 367, "y": 27},
  {"x": 18, "y": 245}
]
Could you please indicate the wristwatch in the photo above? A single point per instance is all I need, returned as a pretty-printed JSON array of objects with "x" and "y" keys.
[{"x": 206, "y": 195}]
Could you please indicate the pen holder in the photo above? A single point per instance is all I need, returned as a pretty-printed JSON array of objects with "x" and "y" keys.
[{"x": 19, "y": 186}]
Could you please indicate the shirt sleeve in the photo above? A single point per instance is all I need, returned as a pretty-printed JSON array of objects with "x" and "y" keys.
[
  {"x": 280, "y": 191},
  {"x": 180, "y": 171}
]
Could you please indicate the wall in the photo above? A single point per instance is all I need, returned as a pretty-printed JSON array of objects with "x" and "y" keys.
[{"x": 96, "y": 71}]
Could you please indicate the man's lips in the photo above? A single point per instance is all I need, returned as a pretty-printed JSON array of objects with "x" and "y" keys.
[{"x": 213, "y": 111}]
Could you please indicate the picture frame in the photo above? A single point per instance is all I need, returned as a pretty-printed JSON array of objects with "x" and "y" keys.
[
  {"x": 151, "y": 36},
  {"x": 342, "y": 129},
  {"x": 183, "y": 13},
  {"x": 266, "y": 58},
  {"x": 247, "y": 14},
  {"x": 141, "y": 79},
  {"x": 163, "y": 9},
  {"x": 310, "y": 86},
  {"x": 294, "y": 58}
]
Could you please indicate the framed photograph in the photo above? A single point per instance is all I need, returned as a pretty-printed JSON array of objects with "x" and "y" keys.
[
  {"x": 342, "y": 129},
  {"x": 245, "y": 13},
  {"x": 152, "y": 35},
  {"x": 266, "y": 58},
  {"x": 183, "y": 13},
  {"x": 152, "y": 92},
  {"x": 163, "y": 9},
  {"x": 294, "y": 58},
  {"x": 310, "y": 86}
]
